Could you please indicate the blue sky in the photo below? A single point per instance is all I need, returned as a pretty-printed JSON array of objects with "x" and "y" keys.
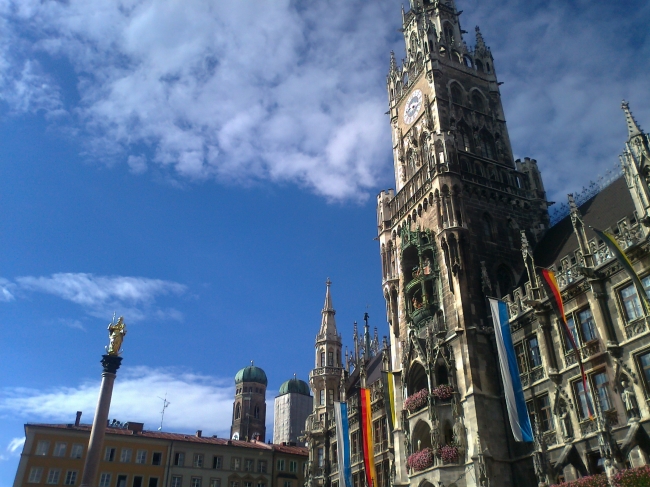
[{"x": 202, "y": 168}]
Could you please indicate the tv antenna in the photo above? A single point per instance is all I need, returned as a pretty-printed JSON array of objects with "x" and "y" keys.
[{"x": 166, "y": 403}]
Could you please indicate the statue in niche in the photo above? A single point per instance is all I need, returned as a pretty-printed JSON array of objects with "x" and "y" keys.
[
  {"x": 116, "y": 332},
  {"x": 565, "y": 419},
  {"x": 427, "y": 266},
  {"x": 460, "y": 434},
  {"x": 629, "y": 399}
]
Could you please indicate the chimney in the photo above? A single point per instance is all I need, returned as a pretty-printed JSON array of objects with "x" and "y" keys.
[
  {"x": 199, "y": 433},
  {"x": 135, "y": 428},
  {"x": 77, "y": 419}
]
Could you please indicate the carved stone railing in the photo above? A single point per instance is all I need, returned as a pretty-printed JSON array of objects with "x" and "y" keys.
[
  {"x": 590, "y": 348},
  {"x": 528, "y": 378},
  {"x": 323, "y": 336},
  {"x": 314, "y": 424},
  {"x": 635, "y": 328},
  {"x": 588, "y": 426},
  {"x": 334, "y": 467},
  {"x": 320, "y": 371},
  {"x": 356, "y": 458},
  {"x": 319, "y": 472},
  {"x": 493, "y": 183},
  {"x": 381, "y": 447},
  {"x": 550, "y": 438},
  {"x": 414, "y": 189}
]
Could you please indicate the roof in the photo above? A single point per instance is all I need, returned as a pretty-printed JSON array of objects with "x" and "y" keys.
[
  {"x": 251, "y": 374},
  {"x": 604, "y": 210},
  {"x": 294, "y": 386},
  {"x": 373, "y": 374}
]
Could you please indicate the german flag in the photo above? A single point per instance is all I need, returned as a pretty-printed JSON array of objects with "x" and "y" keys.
[
  {"x": 555, "y": 299},
  {"x": 622, "y": 259}
]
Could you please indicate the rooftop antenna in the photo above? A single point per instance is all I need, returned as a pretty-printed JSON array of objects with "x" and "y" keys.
[{"x": 166, "y": 403}]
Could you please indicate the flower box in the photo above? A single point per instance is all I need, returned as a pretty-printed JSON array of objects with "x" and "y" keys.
[
  {"x": 420, "y": 460},
  {"x": 448, "y": 453},
  {"x": 443, "y": 392},
  {"x": 416, "y": 401}
]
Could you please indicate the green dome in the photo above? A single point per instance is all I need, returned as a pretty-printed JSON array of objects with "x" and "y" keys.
[
  {"x": 294, "y": 386},
  {"x": 251, "y": 374}
]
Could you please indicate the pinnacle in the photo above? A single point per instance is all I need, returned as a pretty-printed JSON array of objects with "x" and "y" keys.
[{"x": 633, "y": 128}]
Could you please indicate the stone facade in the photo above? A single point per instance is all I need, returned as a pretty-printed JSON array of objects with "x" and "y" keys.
[{"x": 290, "y": 412}]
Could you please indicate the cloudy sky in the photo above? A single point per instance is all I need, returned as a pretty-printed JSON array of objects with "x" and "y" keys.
[{"x": 203, "y": 166}]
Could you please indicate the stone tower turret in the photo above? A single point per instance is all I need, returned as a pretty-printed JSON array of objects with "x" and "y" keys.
[
  {"x": 635, "y": 161},
  {"x": 249, "y": 407}
]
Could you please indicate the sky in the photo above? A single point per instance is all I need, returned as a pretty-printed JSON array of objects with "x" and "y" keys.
[{"x": 202, "y": 167}]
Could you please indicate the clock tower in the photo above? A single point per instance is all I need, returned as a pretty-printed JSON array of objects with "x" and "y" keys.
[{"x": 450, "y": 235}]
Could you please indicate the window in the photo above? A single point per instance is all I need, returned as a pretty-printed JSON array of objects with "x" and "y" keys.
[
  {"x": 477, "y": 102},
  {"x": 321, "y": 457},
  {"x": 153, "y": 481},
  {"x": 198, "y": 460},
  {"x": 35, "y": 474},
  {"x": 545, "y": 414},
  {"x": 156, "y": 458},
  {"x": 261, "y": 464},
  {"x": 281, "y": 465},
  {"x": 235, "y": 463},
  {"x": 121, "y": 481},
  {"x": 631, "y": 303},
  {"x": 249, "y": 465},
  {"x": 53, "y": 476},
  {"x": 293, "y": 466},
  {"x": 321, "y": 399},
  {"x": 141, "y": 456},
  {"x": 105, "y": 480},
  {"x": 70, "y": 477},
  {"x": 528, "y": 354},
  {"x": 587, "y": 325},
  {"x": 179, "y": 459},
  {"x": 487, "y": 226},
  {"x": 330, "y": 397},
  {"x": 217, "y": 463},
  {"x": 601, "y": 384},
  {"x": 287, "y": 483},
  {"x": 644, "y": 365},
  {"x": 354, "y": 443},
  {"x": 177, "y": 481},
  {"x": 571, "y": 324},
  {"x": 256, "y": 412},
  {"x": 77, "y": 451},
  {"x": 322, "y": 359},
  {"x": 237, "y": 411},
  {"x": 261, "y": 484},
  {"x": 196, "y": 482},
  {"x": 532, "y": 414},
  {"x": 42, "y": 447},
  {"x": 533, "y": 347},
  {"x": 109, "y": 454},
  {"x": 330, "y": 359},
  {"x": 456, "y": 94},
  {"x": 234, "y": 483},
  {"x": 59, "y": 449},
  {"x": 583, "y": 400},
  {"x": 248, "y": 484},
  {"x": 215, "y": 482},
  {"x": 125, "y": 455},
  {"x": 137, "y": 481}
]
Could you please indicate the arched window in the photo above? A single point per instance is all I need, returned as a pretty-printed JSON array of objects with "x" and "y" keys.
[
  {"x": 465, "y": 137},
  {"x": 413, "y": 45},
  {"x": 449, "y": 33},
  {"x": 468, "y": 61},
  {"x": 487, "y": 145},
  {"x": 477, "y": 102},
  {"x": 479, "y": 65},
  {"x": 256, "y": 412},
  {"x": 456, "y": 94},
  {"x": 487, "y": 226},
  {"x": 504, "y": 280},
  {"x": 322, "y": 357},
  {"x": 442, "y": 376},
  {"x": 237, "y": 411}
]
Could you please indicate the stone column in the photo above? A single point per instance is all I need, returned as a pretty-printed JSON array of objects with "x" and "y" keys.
[{"x": 110, "y": 363}]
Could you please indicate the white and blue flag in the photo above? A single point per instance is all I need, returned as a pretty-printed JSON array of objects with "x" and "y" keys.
[
  {"x": 343, "y": 440},
  {"x": 517, "y": 412}
]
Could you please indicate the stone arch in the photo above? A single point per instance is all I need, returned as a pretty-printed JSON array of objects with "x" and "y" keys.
[
  {"x": 478, "y": 100},
  {"x": 456, "y": 92},
  {"x": 448, "y": 32},
  {"x": 479, "y": 65},
  {"x": 421, "y": 436},
  {"x": 237, "y": 411},
  {"x": 464, "y": 137},
  {"x": 487, "y": 144},
  {"x": 416, "y": 378}
]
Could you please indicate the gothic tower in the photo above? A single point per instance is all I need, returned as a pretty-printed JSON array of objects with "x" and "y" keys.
[
  {"x": 635, "y": 162},
  {"x": 325, "y": 382},
  {"x": 449, "y": 235},
  {"x": 249, "y": 408}
]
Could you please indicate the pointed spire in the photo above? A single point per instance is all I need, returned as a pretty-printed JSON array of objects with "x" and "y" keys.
[
  {"x": 328, "y": 324},
  {"x": 393, "y": 64},
  {"x": 480, "y": 43},
  {"x": 403, "y": 16},
  {"x": 633, "y": 128}
]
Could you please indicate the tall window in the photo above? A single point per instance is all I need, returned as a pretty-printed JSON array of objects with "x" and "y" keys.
[
  {"x": 35, "y": 474},
  {"x": 582, "y": 327},
  {"x": 631, "y": 303},
  {"x": 330, "y": 359},
  {"x": 215, "y": 482},
  {"x": 293, "y": 466},
  {"x": 280, "y": 464},
  {"x": 456, "y": 94},
  {"x": 105, "y": 480},
  {"x": 545, "y": 414},
  {"x": 235, "y": 463},
  {"x": 330, "y": 397},
  {"x": 477, "y": 102},
  {"x": 261, "y": 466},
  {"x": 179, "y": 459},
  {"x": 601, "y": 384},
  {"x": 487, "y": 226},
  {"x": 156, "y": 458},
  {"x": 42, "y": 447},
  {"x": 109, "y": 454},
  {"x": 249, "y": 465},
  {"x": 76, "y": 451},
  {"x": 177, "y": 481},
  {"x": 587, "y": 325},
  {"x": 125, "y": 455},
  {"x": 141, "y": 456},
  {"x": 256, "y": 412},
  {"x": 644, "y": 365},
  {"x": 196, "y": 482},
  {"x": 322, "y": 359},
  {"x": 528, "y": 354},
  {"x": 583, "y": 400},
  {"x": 59, "y": 449},
  {"x": 322, "y": 397},
  {"x": 321, "y": 456}
]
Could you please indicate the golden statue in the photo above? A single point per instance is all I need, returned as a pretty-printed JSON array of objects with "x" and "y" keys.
[{"x": 116, "y": 332}]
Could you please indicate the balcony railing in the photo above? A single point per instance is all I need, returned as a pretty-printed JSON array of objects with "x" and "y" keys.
[
  {"x": 381, "y": 447},
  {"x": 635, "y": 328},
  {"x": 589, "y": 349},
  {"x": 356, "y": 458},
  {"x": 528, "y": 378},
  {"x": 319, "y": 371}
]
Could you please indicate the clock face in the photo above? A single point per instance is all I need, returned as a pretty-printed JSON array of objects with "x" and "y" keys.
[{"x": 413, "y": 105}]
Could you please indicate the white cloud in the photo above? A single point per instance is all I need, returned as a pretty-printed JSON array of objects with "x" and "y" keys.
[
  {"x": 196, "y": 401},
  {"x": 15, "y": 445},
  {"x": 284, "y": 91},
  {"x": 5, "y": 287}
]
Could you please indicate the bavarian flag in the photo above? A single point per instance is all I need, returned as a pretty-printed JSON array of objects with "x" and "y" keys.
[
  {"x": 622, "y": 259},
  {"x": 389, "y": 399},
  {"x": 517, "y": 412},
  {"x": 343, "y": 441}
]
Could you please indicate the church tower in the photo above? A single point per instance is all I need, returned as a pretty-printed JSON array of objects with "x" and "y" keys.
[
  {"x": 249, "y": 408},
  {"x": 450, "y": 234},
  {"x": 325, "y": 382},
  {"x": 635, "y": 162}
]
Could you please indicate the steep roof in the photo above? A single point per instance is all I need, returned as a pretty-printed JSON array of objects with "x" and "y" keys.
[{"x": 604, "y": 210}]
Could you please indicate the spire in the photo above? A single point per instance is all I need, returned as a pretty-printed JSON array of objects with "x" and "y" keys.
[
  {"x": 633, "y": 128},
  {"x": 480, "y": 42},
  {"x": 393, "y": 64},
  {"x": 328, "y": 324}
]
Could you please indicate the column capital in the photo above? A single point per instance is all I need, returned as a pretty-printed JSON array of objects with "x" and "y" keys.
[{"x": 111, "y": 363}]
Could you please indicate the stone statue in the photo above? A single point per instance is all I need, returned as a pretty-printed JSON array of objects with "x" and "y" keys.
[
  {"x": 629, "y": 399},
  {"x": 459, "y": 434},
  {"x": 116, "y": 332},
  {"x": 565, "y": 419}
]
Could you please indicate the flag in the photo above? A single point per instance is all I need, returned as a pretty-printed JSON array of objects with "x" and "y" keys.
[
  {"x": 389, "y": 399},
  {"x": 517, "y": 412},
  {"x": 555, "y": 299},
  {"x": 343, "y": 442},
  {"x": 622, "y": 259},
  {"x": 366, "y": 433}
]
